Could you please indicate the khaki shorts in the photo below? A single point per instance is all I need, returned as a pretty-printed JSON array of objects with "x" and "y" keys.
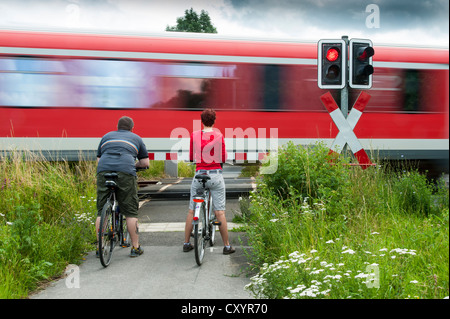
[
  {"x": 126, "y": 193},
  {"x": 217, "y": 187}
]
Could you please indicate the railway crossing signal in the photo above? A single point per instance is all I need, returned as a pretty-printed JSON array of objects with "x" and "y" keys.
[
  {"x": 346, "y": 126},
  {"x": 332, "y": 74},
  {"x": 360, "y": 63},
  {"x": 332, "y": 64}
]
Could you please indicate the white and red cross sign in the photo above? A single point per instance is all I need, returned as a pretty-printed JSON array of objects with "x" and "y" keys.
[{"x": 346, "y": 126}]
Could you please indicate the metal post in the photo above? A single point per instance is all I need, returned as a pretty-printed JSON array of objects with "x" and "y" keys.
[{"x": 344, "y": 91}]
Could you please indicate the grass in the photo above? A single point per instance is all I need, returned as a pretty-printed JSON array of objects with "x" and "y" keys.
[
  {"x": 339, "y": 233},
  {"x": 47, "y": 212},
  {"x": 346, "y": 232},
  {"x": 156, "y": 170}
]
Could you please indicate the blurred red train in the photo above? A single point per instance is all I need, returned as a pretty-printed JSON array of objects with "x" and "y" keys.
[{"x": 60, "y": 92}]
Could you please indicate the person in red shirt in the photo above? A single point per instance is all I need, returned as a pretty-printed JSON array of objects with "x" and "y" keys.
[{"x": 207, "y": 150}]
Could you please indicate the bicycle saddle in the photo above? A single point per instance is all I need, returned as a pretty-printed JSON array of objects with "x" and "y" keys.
[
  {"x": 111, "y": 175},
  {"x": 202, "y": 177},
  {"x": 110, "y": 184}
]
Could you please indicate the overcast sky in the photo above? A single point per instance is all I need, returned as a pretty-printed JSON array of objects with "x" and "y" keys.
[{"x": 424, "y": 22}]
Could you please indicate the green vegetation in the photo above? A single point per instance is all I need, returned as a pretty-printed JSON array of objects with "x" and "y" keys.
[
  {"x": 328, "y": 230},
  {"x": 193, "y": 22},
  {"x": 47, "y": 211},
  {"x": 47, "y": 215},
  {"x": 317, "y": 229}
]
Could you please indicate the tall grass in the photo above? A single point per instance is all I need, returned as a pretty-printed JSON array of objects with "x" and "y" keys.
[
  {"x": 333, "y": 231},
  {"x": 47, "y": 212}
]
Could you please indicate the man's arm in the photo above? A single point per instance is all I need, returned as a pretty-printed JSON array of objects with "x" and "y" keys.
[{"x": 143, "y": 163}]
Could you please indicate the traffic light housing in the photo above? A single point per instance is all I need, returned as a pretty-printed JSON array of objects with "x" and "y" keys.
[
  {"x": 361, "y": 65},
  {"x": 331, "y": 64}
]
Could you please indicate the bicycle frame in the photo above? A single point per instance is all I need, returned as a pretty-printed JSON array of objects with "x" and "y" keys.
[
  {"x": 111, "y": 229},
  {"x": 203, "y": 222}
]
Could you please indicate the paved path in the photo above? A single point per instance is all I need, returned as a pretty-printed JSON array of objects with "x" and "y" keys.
[{"x": 163, "y": 271}]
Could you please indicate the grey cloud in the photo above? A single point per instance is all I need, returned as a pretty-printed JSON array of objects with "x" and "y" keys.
[{"x": 345, "y": 14}]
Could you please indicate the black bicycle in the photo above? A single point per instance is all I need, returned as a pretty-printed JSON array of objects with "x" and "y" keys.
[
  {"x": 113, "y": 226},
  {"x": 204, "y": 222}
]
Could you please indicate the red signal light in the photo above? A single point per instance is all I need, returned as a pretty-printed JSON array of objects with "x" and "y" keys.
[{"x": 332, "y": 54}]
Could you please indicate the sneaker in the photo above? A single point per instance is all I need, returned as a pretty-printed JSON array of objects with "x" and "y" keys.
[
  {"x": 97, "y": 254},
  {"x": 228, "y": 250},
  {"x": 136, "y": 252},
  {"x": 187, "y": 247}
]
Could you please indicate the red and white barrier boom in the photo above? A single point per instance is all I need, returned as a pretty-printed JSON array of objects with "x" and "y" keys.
[{"x": 346, "y": 126}]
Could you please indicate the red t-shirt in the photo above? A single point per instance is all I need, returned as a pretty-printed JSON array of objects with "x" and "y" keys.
[{"x": 207, "y": 150}]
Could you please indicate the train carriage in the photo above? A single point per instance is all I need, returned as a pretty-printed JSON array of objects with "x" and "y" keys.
[{"x": 60, "y": 92}]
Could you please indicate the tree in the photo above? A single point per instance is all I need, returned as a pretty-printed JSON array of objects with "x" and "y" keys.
[{"x": 192, "y": 22}]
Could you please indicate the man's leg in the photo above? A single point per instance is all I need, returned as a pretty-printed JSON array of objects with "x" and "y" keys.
[
  {"x": 133, "y": 230},
  {"x": 188, "y": 227},
  {"x": 97, "y": 227},
  {"x": 190, "y": 217},
  {"x": 223, "y": 228}
]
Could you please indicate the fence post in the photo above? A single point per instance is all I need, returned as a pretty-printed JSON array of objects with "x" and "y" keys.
[{"x": 171, "y": 165}]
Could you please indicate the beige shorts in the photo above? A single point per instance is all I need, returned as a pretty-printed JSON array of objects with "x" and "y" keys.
[{"x": 217, "y": 187}]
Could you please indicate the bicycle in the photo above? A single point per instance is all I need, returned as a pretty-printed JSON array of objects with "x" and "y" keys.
[
  {"x": 204, "y": 220},
  {"x": 113, "y": 226}
]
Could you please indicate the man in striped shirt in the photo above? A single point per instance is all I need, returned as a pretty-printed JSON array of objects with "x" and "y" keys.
[{"x": 117, "y": 152}]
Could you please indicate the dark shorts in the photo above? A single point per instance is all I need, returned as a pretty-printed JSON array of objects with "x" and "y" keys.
[{"x": 126, "y": 194}]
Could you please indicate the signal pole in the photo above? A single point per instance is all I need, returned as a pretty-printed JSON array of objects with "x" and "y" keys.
[
  {"x": 342, "y": 64},
  {"x": 344, "y": 90}
]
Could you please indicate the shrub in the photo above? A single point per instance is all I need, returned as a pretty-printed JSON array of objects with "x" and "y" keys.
[
  {"x": 310, "y": 172},
  {"x": 333, "y": 231}
]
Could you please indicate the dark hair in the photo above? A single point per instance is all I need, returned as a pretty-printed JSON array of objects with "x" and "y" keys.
[
  {"x": 208, "y": 117},
  {"x": 125, "y": 123}
]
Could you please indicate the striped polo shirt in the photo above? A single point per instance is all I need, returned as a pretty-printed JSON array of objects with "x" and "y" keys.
[{"x": 118, "y": 151}]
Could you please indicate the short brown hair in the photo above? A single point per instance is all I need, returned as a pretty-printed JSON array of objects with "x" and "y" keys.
[
  {"x": 125, "y": 123},
  {"x": 208, "y": 117}
]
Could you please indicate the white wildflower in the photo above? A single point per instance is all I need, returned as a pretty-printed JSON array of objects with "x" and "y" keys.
[{"x": 315, "y": 272}]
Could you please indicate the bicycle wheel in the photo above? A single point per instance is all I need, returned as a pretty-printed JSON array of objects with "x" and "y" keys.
[
  {"x": 106, "y": 235},
  {"x": 124, "y": 235},
  {"x": 212, "y": 228},
  {"x": 199, "y": 235}
]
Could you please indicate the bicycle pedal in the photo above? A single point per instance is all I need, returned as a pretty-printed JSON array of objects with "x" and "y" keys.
[{"x": 216, "y": 223}]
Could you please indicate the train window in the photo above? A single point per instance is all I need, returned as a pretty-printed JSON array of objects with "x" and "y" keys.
[
  {"x": 40, "y": 82},
  {"x": 195, "y": 85},
  {"x": 411, "y": 91},
  {"x": 272, "y": 87},
  {"x": 110, "y": 83},
  {"x": 394, "y": 90},
  {"x": 299, "y": 89},
  {"x": 30, "y": 82}
]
